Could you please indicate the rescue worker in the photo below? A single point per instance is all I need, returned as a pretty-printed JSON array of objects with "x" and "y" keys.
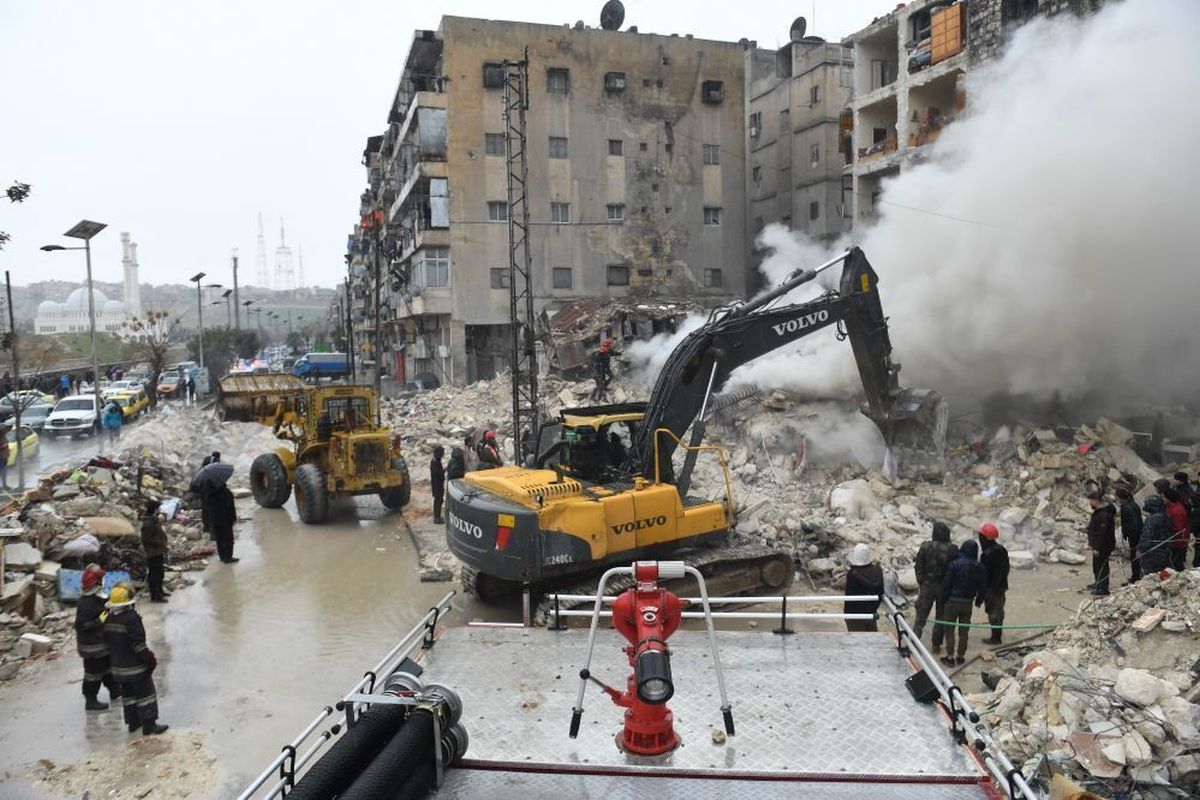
[
  {"x": 602, "y": 369},
  {"x": 133, "y": 661},
  {"x": 221, "y": 516},
  {"x": 994, "y": 559},
  {"x": 932, "y": 560},
  {"x": 89, "y": 641},
  {"x": 470, "y": 454},
  {"x": 114, "y": 418},
  {"x": 1154, "y": 548},
  {"x": 1131, "y": 530},
  {"x": 457, "y": 466},
  {"x": 437, "y": 482},
  {"x": 154, "y": 542},
  {"x": 1191, "y": 501},
  {"x": 1102, "y": 539},
  {"x": 1177, "y": 513},
  {"x": 616, "y": 449},
  {"x": 965, "y": 581},
  {"x": 489, "y": 451},
  {"x": 864, "y": 577}
]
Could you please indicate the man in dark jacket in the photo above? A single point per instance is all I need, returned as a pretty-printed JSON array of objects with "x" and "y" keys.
[
  {"x": 457, "y": 466},
  {"x": 1102, "y": 539},
  {"x": 1154, "y": 548},
  {"x": 930, "y": 566},
  {"x": 865, "y": 577},
  {"x": 154, "y": 542},
  {"x": 965, "y": 582},
  {"x": 489, "y": 451},
  {"x": 1131, "y": 530},
  {"x": 1191, "y": 501},
  {"x": 89, "y": 641},
  {"x": 221, "y": 516},
  {"x": 133, "y": 661},
  {"x": 437, "y": 482},
  {"x": 994, "y": 559}
]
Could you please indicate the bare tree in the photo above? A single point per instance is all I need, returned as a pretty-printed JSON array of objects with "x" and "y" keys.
[
  {"x": 150, "y": 339},
  {"x": 16, "y": 194}
]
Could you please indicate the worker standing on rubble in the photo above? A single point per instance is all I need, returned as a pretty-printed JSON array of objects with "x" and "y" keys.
[
  {"x": 489, "y": 451},
  {"x": 1131, "y": 530},
  {"x": 133, "y": 662},
  {"x": 437, "y": 482},
  {"x": 1154, "y": 548},
  {"x": 154, "y": 542},
  {"x": 965, "y": 581},
  {"x": 1102, "y": 539},
  {"x": 994, "y": 558},
  {"x": 864, "y": 577},
  {"x": 457, "y": 466},
  {"x": 602, "y": 369},
  {"x": 470, "y": 454},
  {"x": 89, "y": 641},
  {"x": 1177, "y": 513},
  {"x": 932, "y": 560},
  {"x": 1191, "y": 501}
]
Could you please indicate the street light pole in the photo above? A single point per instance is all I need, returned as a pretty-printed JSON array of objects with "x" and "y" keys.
[
  {"x": 199, "y": 276},
  {"x": 228, "y": 308},
  {"x": 85, "y": 230}
]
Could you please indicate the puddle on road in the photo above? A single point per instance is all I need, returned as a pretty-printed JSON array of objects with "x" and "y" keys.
[{"x": 248, "y": 655}]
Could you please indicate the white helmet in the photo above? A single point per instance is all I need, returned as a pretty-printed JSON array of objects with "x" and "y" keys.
[{"x": 860, "y": 555}]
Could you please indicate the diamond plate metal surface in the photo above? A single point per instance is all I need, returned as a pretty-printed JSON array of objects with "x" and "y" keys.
[
  {"x": 470, "y": 784},
  {"x": 817, "y": 704}
]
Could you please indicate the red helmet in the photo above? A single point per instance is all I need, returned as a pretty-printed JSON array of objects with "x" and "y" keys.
[
  {"x": 93, "y": 577},
  {"x": 989, "y": 531},
  {"x": 606, "y": 345},
  {"x": 490, "y": 436}
]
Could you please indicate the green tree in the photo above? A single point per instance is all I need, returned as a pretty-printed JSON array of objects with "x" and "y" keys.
[
  {"x": 222, "y": 346},
  {"x": 16, "y": 194},
  {"x": 150, "y": 339}
]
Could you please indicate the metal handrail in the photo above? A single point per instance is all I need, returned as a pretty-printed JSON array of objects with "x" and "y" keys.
[
  {"x": 1008, "y": 777},
  {"x": 387, "y": 665},
  {"x": 722, "y": 459}
]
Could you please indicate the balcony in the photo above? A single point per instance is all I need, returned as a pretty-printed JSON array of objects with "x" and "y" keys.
[{"x": 419, "y": 175}]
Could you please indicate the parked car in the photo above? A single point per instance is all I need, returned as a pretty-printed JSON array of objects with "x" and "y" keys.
[
  {"x": 74, "y": 415},
  {"x": 133, "y": 402},
  {"x": 168, "y": 383},
  {"x": 25, "y": 397},
  {"x": 116, "y": 387},
  {"x": 29, "y": 443},
  {"x": 35, "y": 416}
]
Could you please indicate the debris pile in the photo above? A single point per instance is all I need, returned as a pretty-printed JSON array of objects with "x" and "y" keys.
[{"x": 1111, "y": 696}]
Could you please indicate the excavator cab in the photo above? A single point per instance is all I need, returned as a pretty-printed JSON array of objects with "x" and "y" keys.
[{"x": 591, "y": 443}]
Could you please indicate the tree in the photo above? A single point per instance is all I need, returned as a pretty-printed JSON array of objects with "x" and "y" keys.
[
  {"x": 16, "y": 194},
  {"x": 150, "y": 340},
  {"x": 295, "y": 341},
  {"x": 222, "y": 346}
]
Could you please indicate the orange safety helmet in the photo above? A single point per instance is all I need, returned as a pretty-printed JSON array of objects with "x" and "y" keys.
[{"x": 989, "y": 531}]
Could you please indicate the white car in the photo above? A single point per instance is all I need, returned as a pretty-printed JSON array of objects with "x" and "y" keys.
[{"x": 72, "y": 416}]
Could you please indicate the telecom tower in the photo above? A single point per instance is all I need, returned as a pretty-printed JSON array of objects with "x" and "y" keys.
[
  {"x": 285, "y": 273},
  {"x": 300, "y": 284},
  {"x": 260, "y": 261}
]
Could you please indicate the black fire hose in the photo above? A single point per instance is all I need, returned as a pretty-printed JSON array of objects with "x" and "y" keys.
[
  {"x": 353, "y": 752},
  {"x": 410, "y": 746},
  {"x": 422, "y": 780}
]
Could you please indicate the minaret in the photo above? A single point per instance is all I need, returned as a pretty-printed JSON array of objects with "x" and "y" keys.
[
  {"x": 133, "y": 290},
  {"x": 300, "y": 269}
]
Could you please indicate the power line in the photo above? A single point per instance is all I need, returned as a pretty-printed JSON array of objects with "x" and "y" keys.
[{"x": 943, "y": 216}]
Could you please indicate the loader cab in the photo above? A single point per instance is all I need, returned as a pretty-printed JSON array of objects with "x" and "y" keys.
[{"x": 590, "y": 444}]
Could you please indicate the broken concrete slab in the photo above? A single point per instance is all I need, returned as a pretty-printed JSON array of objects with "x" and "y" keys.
[
  {"x": 22, "y": 557},
  {"x": 108, "y": 526},
  {"x": 1138, "y": 686},
  {"x": 1148, "y": 620},
  {"x": 33, "y": 644},
  {"x": 1022, "y": 559}
]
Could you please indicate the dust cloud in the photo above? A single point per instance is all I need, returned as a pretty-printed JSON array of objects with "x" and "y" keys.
[{"x": 1055, "y": 245}]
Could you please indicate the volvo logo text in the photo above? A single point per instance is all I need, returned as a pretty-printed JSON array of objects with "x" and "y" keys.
[
  {"x": 465, "y": 527},
  {"x": 801, "y": 322},
  {"x": 640, "y": 524}
]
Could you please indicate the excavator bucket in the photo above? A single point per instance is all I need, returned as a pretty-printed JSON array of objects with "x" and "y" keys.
[{"x": 915, "y": 429}]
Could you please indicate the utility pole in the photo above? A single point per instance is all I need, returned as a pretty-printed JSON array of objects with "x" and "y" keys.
[
  {"x": 237, "y": 323},
  {"x": 16, "y": 378},
  {"x": 520, "y": 280}
]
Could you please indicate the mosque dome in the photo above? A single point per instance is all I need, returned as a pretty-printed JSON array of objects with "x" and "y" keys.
[
  {"x": 49, "y": 307},
  {"x": 113, "y": 307},
  {"x": 77, "y": 300}
]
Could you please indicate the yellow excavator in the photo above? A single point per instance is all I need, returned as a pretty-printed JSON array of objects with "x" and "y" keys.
[{"x": 603, "y": 487}]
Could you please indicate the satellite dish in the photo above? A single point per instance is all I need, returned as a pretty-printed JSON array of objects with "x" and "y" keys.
[
  {"x": 612, "y": 15},
  {"x": 798, "y": 28}
]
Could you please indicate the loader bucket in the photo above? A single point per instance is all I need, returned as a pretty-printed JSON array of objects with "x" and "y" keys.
[{"x": 916, "y": 424}]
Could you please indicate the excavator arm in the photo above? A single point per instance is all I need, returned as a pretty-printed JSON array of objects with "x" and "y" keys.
[{"x": 739, "y": 334}]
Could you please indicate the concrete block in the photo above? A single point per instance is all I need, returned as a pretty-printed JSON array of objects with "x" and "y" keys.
[
  {"x": 33, "y": 644},
  {"x": 22, "y": 557},
  {"x": 1149, "y": 619}
]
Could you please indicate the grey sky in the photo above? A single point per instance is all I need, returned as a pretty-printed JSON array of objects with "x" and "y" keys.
[{"x": 179, "y": 121}]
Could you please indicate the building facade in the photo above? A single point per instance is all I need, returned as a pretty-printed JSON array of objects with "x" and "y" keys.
[
  {"x": 796, "y": 97},
  {"x": 637, "y": 174}
]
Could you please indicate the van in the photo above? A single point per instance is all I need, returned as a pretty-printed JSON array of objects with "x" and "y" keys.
[{"x": 321, "y": 365}]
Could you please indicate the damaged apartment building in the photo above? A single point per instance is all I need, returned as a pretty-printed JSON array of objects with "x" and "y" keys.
[
  {"x": 909, "y": 80},
  {"x": 636, "y": 192}
]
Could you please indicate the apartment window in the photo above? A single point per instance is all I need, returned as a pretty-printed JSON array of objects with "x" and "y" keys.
[
  {"x": 658, "y": 83},
  {"x": 654, "y": 187},
  {"x": 814, "y": 210},
  {"x": 493, "y": 75},
  {"x": 499, "y": 277},
  {"x": 712, "y": 92},
  {"x": 558, "y": 147},
  {"x": 642, "y": 146},
  {"x": 668, "y": 147},
  {"x": 814, "y": 154},
  {"x": 614, "y": 82},
  {"x": 618, "y": 274},
  {"x": 712, "y": 279},
  {"x": 712, "y": 215},
  {"x": 758, "y": 223},
  {"x": 497, "y": 211},
  {"x": 756, "y": 174},
  {"x": 712, "y": 154},
  {"x": 814, "y": 94},
  {"x": 560, "y": 212},
  {"x": 431, "y": 268},
  {"x": 667, "y": 210},
  {"x": 493, "y": 144},
  {"x": 616, "y": 212},
  {"x": 845, "y": 76},
  {"x": 666, "y": 60},
  {"x": 616, "y": 147},
  {"x": 558, "y": 79},
  {"x": 755, "y": 124},
  {"x": 646, "y": 83},
  {"x": 564, "y": 278}
]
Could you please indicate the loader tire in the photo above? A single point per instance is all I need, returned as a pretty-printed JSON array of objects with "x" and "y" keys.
[
  {"x": 312, "y": 498},
  {"x": 486, "y": 587},
  {"x": 397, "y": 497},
  {"x": 269, "y": 481}
]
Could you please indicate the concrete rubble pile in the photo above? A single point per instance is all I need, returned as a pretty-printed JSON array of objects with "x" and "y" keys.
[{"x": 1112, "y": 695}]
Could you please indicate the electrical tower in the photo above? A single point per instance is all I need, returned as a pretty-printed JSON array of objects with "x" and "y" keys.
[
  {"x": 285, "y": 277},
  {"x": 260, "y": 261},
  {"x": 523, "y": 362},
  {"x": 300, "y": 267}
]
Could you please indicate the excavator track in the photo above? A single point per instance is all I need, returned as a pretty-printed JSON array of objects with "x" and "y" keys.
[{"x": 727, "y": 569}]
